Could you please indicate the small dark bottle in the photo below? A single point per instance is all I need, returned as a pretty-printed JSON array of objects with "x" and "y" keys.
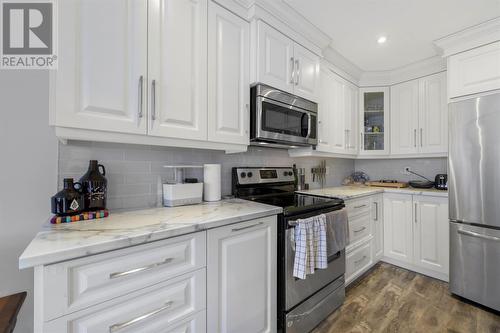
[
  {"x": 68, "y": 201},
  {"x": 94, "y": 187}
]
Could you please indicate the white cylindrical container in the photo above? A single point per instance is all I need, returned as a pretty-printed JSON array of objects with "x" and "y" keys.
[{"x": 211, "y": 182}]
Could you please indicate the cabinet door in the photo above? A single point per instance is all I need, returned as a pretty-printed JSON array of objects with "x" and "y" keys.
[
  {"x": 275, "y": 61},
  {"x": 228, "y": 76},
  {"x": 101, "y": 80},
  {"x": 377, "y": 216},
  {"x": 241, "y": 275},
  {"x": 433, "y": 114},
  {"x": 337, "y": 112},
  {"x": 374, "y": 121},
  {"x": 351, "y": 113},
  {"x": 431, "y": 233},
  {"x": 398, "y": 233},
  {"x": 404, "y": 118},
  {"x": 474, "y": 71},
  {"x": 306, "y": 73},
  {"x": 325, "y": 116},
  {"x": 178, "y": 69}
]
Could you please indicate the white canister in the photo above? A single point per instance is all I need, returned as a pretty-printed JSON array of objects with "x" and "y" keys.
[{"x": 211, "y": 182}]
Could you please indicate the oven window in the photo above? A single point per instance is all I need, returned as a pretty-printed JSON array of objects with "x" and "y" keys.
[{"x": 279, "y": 119}]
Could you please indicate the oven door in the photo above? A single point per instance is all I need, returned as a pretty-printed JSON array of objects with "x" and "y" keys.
[
  {"x": 284, "y": 123},
  {"x": 296, "y": 289}
]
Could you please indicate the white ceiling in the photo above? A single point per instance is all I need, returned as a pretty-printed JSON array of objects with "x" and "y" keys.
[{"x": 411, "y": 26}]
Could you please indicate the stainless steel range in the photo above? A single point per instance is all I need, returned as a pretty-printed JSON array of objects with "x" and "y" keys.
[{"x": 302, "y": 304}]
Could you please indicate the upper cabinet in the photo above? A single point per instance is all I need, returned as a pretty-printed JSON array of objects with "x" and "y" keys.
[
  {"x": 337, "y": 112},
  {"x": 143, "y": 72},
  {"x": 102, "y": 76},
  {"x": 374, "y": 121},
  {"x": 177, "y": 68},
  {"x": 419, "y": 116},
  {"x": 228, "y": 76},
  {"x": 284, "y": 64},
  {"x": 474, "y": 71}
]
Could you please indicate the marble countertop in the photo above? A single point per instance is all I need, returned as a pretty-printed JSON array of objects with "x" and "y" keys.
[
  {"x": 352, "y": 192},
  {"x": 62, "y": 242}
]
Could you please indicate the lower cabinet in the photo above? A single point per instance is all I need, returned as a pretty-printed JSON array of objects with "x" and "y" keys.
[
  {"x": 241, "y": 277},
  {"x": 417, "y": 233},
  {"x": 377, "y": 217}
]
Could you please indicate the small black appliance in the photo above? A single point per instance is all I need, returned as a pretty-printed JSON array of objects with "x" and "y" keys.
[{"x": 441, "y": 181}]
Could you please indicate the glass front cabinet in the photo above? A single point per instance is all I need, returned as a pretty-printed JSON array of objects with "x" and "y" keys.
[{"x": 374, "y": 121}]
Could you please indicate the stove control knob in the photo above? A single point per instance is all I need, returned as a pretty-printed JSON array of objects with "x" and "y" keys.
[
  {"x": 285, "y": 173},
  {"x": 243, "y": 175},
  {"x": 250, "y": 175},
  {"x": 290, "y": 173}
]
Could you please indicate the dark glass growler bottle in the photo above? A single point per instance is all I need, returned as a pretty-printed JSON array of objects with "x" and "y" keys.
[
  {"x": 94, "y": 187},
  {"x": 68, "y": 201}
]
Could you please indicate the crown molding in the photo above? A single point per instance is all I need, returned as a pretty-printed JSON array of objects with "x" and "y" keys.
[
  {"x": 341, "y": 65},
  {"x": 469, "y": 38}
]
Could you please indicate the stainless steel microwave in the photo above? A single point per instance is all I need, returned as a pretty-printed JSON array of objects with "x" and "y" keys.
[{"x": 280, "y": 119}]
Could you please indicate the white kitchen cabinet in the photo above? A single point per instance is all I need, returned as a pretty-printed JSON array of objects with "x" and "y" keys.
[
  {"x": 398, "y": 232},
  {"x": 433, "y": 114},
  {"x": 419, "y": 118},
  {"x": 228, "y": 76},
  {"x": 337, "y": 112},
  {"x": 416, "y": 233},
  {"x": 377, "y": 216},
  {"x": 306, "y": 73},
  {"x": 283, "y": 64},
  {"x": 474, "y": 71},
  {"x": 275, "y": 62},
  {"x": 404, "y": 118},
  {"x": 177, "y": 40},
  {"x": 102, "y": 75},
  {"x": 431, "y": 233},
  {"x": 241, "y": 273},
  {"x": 374, "y": 121}
]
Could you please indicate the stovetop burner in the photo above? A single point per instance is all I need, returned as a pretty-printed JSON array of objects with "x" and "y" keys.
[{"x": 293, "y": 203}]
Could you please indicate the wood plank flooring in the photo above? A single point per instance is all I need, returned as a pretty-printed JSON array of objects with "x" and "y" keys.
[{"x": 392, "y": 299}]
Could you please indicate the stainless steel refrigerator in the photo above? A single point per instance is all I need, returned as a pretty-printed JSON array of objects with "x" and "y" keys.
[{"x": 474, "y": 194}]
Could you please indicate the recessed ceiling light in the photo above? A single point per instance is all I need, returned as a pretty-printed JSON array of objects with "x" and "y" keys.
[{"x": 382, "y": 39}]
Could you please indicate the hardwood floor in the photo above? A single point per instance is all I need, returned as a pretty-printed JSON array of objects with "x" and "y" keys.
[{"x": 392, "y": 299}]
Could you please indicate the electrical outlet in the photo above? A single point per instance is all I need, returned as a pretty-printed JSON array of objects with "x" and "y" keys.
[{"x": 406, "y": 171}]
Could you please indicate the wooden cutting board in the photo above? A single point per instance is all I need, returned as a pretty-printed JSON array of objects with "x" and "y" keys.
[{"x": 381, "y": 184}]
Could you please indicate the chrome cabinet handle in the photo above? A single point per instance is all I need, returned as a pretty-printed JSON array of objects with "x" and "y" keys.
[
  {"x": 247, "y": 227},
  {"x": 359, "y": 230},
  {"x": 359, "y": 260},
  {"x": 292, "y": 79},
  {"x": 140, "y": 269},
  {"x": 361, "y": 206},
  {"x": 141, "y": 95},
  {"x": 153, "y": 100},
  {"x": 415, "y": 137},
  {"x": 478, "y": 235},
  {"x": 117, "y": 327},
  {"x": 376, "y": 211},
  {"x": 297, "y": 74},
  {"x": 421, "y": 137},
  {"x": 362, "y": 144},
  {"x": 415, "y": 212}
]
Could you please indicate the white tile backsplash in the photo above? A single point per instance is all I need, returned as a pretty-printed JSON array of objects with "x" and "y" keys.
[
  {"x": 393, "y": 168},
  {"x": 135, "y": 173}
]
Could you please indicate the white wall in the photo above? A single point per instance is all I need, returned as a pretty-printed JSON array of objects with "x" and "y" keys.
[{"x": 28, "y": 166}]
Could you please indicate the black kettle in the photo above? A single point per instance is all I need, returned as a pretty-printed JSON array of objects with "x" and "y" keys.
[
  {"x": 94, "y": 187},
  {"x": 68, "y": 201}
]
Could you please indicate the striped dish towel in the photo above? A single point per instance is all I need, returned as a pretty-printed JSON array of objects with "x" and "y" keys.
[{"x": 310, "y": 246}]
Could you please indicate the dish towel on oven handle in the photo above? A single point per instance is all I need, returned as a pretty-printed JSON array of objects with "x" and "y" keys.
[
  {"x": 310, "y": 246},
  {"x": 337, "y": 230}
]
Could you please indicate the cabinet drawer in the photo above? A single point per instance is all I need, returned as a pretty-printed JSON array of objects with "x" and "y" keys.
[
  {"x": 154, "y": 309},
  {"x": 74, "y": 285},
  {"x": 358, "y": 261},
  {"x": 358, "y": 206},
  {"x": 359, "y": 227}
]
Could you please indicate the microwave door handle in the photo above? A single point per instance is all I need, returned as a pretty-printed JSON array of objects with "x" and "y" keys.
[{"x": 309, "y": 121}]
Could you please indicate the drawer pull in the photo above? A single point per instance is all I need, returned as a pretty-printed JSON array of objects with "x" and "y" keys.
[
  {"x": 361, "y": 206},
  {"x": 478, "y": 235},
  {"x": 362, "y": 229},
  {"x": 359, "y": 260},
  {"x": 117, "y": 327},
  {"x": 140, "y": 269},
  {"x": 247, "y": 227}
]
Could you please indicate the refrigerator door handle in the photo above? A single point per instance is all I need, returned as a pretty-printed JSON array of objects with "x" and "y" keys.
[{"x": 478, "y": 235}]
